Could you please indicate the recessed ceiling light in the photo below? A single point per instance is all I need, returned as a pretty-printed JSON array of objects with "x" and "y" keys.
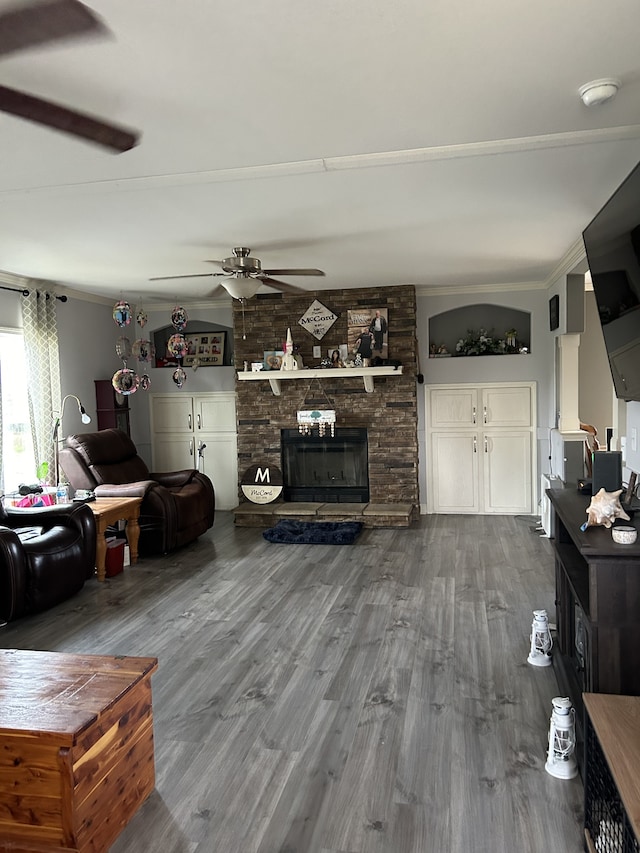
[{"x": 598, "y": 91}]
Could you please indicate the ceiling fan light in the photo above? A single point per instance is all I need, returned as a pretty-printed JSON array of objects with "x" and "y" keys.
[{"x": 241, "y": 288}]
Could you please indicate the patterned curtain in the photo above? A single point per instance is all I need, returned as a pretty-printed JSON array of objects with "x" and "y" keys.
[{"x": 43, "y": 372}]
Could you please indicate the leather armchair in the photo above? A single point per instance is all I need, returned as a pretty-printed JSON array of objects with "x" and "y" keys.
[
  {"x": 46, "y": 554},
  {"x": 176, "y": 507}
]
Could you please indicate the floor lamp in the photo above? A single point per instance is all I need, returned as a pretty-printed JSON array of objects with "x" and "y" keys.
[{"x": 56, "y": 429}]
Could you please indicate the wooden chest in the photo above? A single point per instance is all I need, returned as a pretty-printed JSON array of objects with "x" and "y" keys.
[{"x": 76, "y": 748}]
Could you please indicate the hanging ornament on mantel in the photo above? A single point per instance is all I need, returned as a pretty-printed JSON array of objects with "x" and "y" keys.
[
  {"x": 179, "y": 318},
  {"x": 125, "y": 381},
  {"x": 122, "y": 313},
  {"x": 319, "y": 419}
]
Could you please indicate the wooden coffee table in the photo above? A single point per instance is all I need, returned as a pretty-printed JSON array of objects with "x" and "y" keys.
[
  {"x": 107, "y": 511},
  {"x": 76, "y": 740}
]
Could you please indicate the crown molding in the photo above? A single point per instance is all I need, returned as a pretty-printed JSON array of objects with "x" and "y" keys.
[
  {"x": 572, "y": 257},
  {"x": 448, "y": 290}
]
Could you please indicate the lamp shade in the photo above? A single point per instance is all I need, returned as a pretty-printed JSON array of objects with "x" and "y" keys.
[{"x": 241, "y": 287}]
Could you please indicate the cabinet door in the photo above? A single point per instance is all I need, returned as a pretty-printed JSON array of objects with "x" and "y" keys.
[
  {"x": 172, "y": 413},
  {"x": 215, "y": 412},
  {"x": 174, "y": 452},
  {"x": 219, "y": 461},
  {"x": 454, "y": 472},
  {"x": 453, "y": 407},
  {"x": 506, "y": 471},
  {"x": 508, "y": 406}
]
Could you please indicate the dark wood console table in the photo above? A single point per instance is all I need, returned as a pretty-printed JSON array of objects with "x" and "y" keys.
[
  {"x": 612, "y": 792},
  {"x": 597, "y": 648}
]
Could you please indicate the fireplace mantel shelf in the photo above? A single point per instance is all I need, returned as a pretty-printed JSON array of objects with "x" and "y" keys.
[{"x": 275, "y": 377}]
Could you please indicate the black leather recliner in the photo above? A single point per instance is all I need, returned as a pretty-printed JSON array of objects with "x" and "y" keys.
[
  {"x": 46, "y": 554},
  {"x": 176, "y": 507}
]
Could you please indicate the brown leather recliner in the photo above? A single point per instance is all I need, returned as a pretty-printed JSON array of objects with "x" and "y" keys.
[
  {"x": 46, "y": 554},
  {"x": 176, "y": 508}
]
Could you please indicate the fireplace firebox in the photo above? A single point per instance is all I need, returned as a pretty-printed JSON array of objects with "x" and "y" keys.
[{"x": 328, "y": 469}]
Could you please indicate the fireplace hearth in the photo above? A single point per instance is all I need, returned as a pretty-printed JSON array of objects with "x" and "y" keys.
[{"x": 325, "y": 468}]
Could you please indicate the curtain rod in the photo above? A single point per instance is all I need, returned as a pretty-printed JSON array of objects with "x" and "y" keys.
[{"x": 26, "y": 292}]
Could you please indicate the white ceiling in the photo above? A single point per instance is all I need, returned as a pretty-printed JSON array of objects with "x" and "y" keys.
[{"x": 438, "y": 143}]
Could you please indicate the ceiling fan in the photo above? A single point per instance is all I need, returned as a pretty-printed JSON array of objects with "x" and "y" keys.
[
  {"x": 41, "y": 23},
  {"x": 242, "y": 275}
]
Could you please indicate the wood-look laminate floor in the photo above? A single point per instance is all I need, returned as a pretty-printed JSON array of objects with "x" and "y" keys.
[{"x": 372, "y": 698}]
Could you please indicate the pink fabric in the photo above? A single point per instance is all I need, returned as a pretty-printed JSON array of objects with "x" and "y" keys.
[{"x": 37, "y": 500}]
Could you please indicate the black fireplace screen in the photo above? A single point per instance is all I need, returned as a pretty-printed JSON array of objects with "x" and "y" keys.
[{"x": 327, "y": 469}]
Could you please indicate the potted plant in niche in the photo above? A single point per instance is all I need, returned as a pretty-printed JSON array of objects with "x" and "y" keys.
[{"x": 480, "y": 342}]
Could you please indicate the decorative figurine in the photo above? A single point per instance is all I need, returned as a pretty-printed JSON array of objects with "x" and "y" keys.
[
  {"x": 604, "y": 508},
  {"x": 288, "y": 359}
]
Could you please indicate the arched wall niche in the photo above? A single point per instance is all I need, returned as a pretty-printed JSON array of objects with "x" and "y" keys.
[{"x": 447, "y": 328}]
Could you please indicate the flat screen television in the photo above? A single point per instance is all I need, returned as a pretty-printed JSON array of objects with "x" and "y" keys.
[{"x": 612, "y": 243}]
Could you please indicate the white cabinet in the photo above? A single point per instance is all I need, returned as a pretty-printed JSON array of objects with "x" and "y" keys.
[
  {"x": 480, "y": 440},
  {"x": 198, "y": 431}
]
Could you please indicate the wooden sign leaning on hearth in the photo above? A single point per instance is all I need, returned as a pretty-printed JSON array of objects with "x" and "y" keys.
[{"x": 261, "y": 485}]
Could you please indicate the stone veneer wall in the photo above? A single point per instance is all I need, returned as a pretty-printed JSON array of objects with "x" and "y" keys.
[{"x": 389, "y": 413}]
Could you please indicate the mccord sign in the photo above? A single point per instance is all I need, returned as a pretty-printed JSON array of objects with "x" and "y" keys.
[{"x": 261, "y": 485}]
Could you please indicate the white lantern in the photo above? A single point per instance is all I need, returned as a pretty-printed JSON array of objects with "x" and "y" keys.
[
  {"x": 561, "y": 761},
  {"x": 541, "y": 642}
]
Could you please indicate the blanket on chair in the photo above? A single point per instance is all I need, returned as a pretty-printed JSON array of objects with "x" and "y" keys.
[{"x": 314, "y": 532}]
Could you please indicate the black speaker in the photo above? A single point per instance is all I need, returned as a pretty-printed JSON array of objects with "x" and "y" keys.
[{"x": 607, "y": 471}]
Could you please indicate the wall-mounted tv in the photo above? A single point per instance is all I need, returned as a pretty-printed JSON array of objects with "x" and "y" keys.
[{"x": 612, "y": 243}]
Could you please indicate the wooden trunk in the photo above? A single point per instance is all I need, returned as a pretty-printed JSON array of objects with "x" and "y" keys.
[{"x": 76, "y": 748}]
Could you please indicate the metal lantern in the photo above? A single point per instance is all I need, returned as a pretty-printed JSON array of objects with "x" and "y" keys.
[
  {"x": 541, "y": 642},
  {"x": 561, "y": 761}
]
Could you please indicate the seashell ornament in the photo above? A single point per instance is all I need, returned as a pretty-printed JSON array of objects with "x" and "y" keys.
[{"x": 604, "y": 508}]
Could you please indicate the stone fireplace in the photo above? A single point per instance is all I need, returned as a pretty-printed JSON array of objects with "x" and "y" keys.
[
  {"x": 388, "y": 414},
  {"x": 326, "y": 468}
]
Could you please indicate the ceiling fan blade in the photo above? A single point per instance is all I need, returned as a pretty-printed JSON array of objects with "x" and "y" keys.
[
  {"x": 280, "y": 285},
  {"x": 45, "y": 22},
  {"x": 68, "y": 121},
  {"x": 294, "y": 272},
  {"x": 169, "y": 277}
]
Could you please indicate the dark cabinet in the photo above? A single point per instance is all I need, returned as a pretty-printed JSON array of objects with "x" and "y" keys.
[
  {"x": 597, "y": 647},
  {"x": 112, "y": 409}
]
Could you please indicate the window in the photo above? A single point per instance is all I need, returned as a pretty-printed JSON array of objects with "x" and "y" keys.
[{"x": 18, "y": 459}]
